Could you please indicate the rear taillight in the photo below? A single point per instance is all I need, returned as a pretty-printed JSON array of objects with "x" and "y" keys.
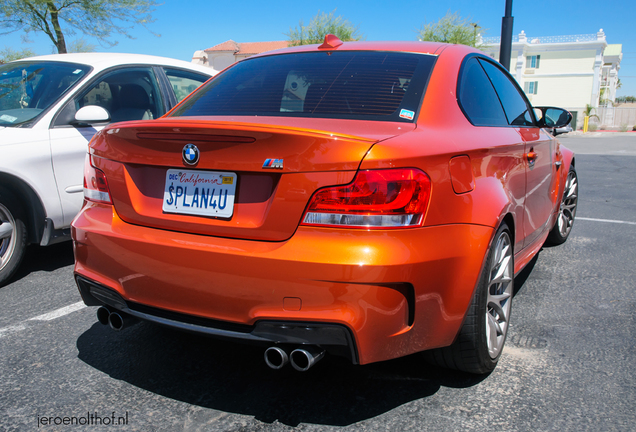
[
  {"x": 95, "y": 184},
  {"x": 392, "y": 198}
]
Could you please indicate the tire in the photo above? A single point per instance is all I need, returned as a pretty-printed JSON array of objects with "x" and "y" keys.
[
  {"x": 482, "y": 336},
  {"x": 567, "y": 211},
  {"x": 13, "y": 236}
]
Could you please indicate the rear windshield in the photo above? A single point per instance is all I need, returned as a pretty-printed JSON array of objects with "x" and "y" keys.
[{"x": 365, "y": 85}]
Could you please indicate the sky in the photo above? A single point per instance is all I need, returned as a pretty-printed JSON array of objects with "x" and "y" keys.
[{"x": 189, "y": 25}]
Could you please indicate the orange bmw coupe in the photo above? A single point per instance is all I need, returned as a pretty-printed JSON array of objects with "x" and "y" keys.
[{"x": 362, "y": 199}]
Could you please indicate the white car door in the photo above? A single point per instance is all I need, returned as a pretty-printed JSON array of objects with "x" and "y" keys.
[
  {"x": 68, "y": 151},
  {"x": 130, "y": 93}
]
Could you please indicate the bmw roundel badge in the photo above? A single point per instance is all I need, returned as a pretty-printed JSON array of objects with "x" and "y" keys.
[{"x": 190, "y": 154}]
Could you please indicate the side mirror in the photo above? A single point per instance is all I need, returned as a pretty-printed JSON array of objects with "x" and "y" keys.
[
  {"x": 91, "y": 114},
  {"x": 552, "y": 117}
]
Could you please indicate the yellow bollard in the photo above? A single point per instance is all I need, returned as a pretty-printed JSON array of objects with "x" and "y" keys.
[{"x": 586, "y": 122}]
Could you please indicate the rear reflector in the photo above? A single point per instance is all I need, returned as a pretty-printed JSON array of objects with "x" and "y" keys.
[{"x": 395, "y": 198}]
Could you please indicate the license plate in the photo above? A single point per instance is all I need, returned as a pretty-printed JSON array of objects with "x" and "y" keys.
[{"x": 202, "y": 193}]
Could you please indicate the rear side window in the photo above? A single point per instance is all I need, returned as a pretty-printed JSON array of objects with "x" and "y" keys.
[
  {"x": 477, "y": 97},
  {"x": 514, "y": 104},
  {"x": 184, "y": 82},
  {"x": 348, "y": 84}
]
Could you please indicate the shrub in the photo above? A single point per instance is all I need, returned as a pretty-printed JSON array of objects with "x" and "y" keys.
[
  {"x": 592, "y": 127},
  {"x": 623, "y": 128}
]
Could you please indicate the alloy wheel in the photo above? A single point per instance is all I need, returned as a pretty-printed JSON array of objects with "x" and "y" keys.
[
  {"x": 7, "y": 237},
  {"x": 567, "y": 211},
  {"x": 500, "y": 287}
]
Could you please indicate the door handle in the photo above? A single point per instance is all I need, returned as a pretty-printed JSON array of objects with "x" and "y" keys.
[{"x": 531, "y": 156}]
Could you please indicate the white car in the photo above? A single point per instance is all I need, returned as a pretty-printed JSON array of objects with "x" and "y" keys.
[{"x": 50, "y": 107}]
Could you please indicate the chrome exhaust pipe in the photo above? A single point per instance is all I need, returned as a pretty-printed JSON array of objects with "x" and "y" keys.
[
  {"x": 102, "y": 315},
  {"x": 304, "y": 358},
  {"x": 119, "y": 320},
  {"x": 276, "y": 357}
]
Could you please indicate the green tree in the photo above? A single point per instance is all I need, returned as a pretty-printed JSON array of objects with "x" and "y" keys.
[
  {"x": 7, "y": 54},
  {"x": 626, "y": 99},
  {"x": 453, "y": 29},
  {"x": 60, "y": 18},
  {"x": 80, "y": 46},
  {"x": 588, "y": 112},
  {"x": 321, "y": 25}
]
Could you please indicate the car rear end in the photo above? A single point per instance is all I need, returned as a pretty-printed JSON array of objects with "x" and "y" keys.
[{"x": 244, "y": 213}]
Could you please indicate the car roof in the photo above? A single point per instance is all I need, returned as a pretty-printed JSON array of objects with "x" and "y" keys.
[
  {"x": 100, "y": 61},
  {"x": 399, "y": 46}
]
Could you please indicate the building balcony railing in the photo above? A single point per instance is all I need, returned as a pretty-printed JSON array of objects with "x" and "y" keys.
[{"x": 545, "y": 39}]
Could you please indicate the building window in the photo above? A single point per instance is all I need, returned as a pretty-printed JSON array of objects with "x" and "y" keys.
[
  {"x": 531, "y": 87},
  {"x": 533, "y": 61}
]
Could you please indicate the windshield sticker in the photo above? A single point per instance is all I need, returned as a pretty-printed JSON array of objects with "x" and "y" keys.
[
  {"x": 8, "y": 118},
  {"x": 77, "y": 71},
  {"x": 406, "y": 114}
]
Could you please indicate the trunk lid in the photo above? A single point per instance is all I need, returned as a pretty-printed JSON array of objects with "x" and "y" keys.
[{"x": 269, "y": 201}]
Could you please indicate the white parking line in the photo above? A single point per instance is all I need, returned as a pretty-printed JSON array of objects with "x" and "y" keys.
[
  {"x": 607, "y": 221},
  {"x": 11, "y": 329},
  {"x": 45, "y": 317},
  {"x": 59, "y": 312}
]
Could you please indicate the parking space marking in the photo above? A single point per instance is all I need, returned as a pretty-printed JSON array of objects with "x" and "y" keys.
[
  {"x": 11, "y": 329},
  {"x": 607, "y": 221},
  {"x": 44, "y": 317},
  {"x": 59, "y": 312}
]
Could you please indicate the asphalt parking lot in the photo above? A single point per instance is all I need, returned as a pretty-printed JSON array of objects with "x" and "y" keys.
[{"x": 568, "y": 364}]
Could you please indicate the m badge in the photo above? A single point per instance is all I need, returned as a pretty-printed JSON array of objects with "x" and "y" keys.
[{"x": 273, "y": 164}]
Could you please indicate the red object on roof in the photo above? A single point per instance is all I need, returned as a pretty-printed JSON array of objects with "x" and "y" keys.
[
  {"x": 331, "y": 41},
  {"x": 245, "y": 48}
]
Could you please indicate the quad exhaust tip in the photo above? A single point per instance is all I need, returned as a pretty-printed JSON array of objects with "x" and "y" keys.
[
  {"x": 102, "y": 315},
  {"x": 301, "y": 359},
  {"x": 276, "y": 357},
  {"x": 115, "y": 319}
]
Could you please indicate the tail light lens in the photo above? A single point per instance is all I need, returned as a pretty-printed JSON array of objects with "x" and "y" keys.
[
  {"x": 395, "y": 198},
  {"x": 95, "y": 183}
]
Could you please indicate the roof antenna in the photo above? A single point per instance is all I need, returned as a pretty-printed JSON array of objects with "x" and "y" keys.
[{"x": 331, "y": 41}]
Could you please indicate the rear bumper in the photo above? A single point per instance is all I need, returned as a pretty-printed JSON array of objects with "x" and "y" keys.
[
  {"x": 334, "y": 338},
  {"x": 385, "y": 294}
]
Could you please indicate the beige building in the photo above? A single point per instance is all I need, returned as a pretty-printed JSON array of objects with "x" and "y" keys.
[
  {"x": 224, "y": 54},
  {"x": 565, "y": 71}
]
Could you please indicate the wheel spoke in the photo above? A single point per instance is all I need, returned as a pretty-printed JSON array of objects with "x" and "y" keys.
[
  {"x": 503, "y": 265},
  {"x": 492, "y": 331},
  {"x": 6, "y": 230},
  {"x": 572, "y": 191},
  {"x": 499, "y": 311},
  {"x": 564, "y": 224},
  {"x": 496, "y": 300}
]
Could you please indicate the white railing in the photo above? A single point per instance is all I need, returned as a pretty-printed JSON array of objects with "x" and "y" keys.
[
  {"x": 546, "y": 39},
  {"x": 496, "y": 40}
]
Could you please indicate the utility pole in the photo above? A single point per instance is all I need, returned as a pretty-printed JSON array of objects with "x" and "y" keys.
[{"x": 505, "y": 47}]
